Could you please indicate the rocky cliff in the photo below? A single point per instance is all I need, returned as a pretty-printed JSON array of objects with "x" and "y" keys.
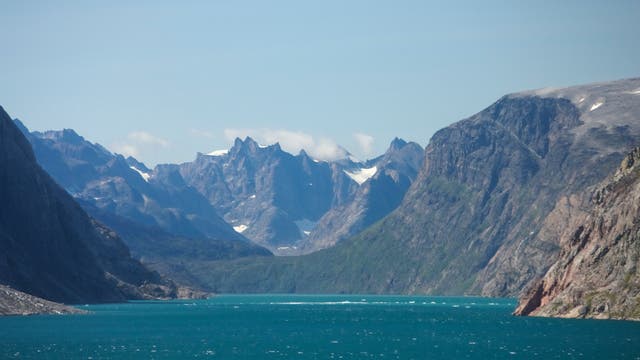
[
  {"x": 596, "y": 274},
  {"x": 49, "y": 247}
]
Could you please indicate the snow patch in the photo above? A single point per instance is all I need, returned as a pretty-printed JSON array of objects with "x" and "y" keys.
[
  {"x": 240, "y": 228},
  {"x": 635, "y": 92},
  {"x": 596, "y": 105},
  {"x": 362, "y": 175},
  {"x": 219, "y": 152},
  {"x": 305, "y": 226},
  {"x": 145, "y": 176},
  {"x": 252, "y": 196}
]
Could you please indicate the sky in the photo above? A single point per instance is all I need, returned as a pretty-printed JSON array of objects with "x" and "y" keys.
[{"x": 165, "y": 80}]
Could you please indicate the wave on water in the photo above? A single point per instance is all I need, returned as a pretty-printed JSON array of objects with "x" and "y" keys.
[
  {"x": 346, "y": 302},
  {"x": 391, "y": 303}
]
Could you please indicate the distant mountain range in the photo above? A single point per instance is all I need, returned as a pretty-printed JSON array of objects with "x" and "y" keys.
[
  {"x": 162, "y": 220},
  {"x": 295, "y": 204},
  {"x": 168, "y": 216},
  {"x": 272, "y": 197}
]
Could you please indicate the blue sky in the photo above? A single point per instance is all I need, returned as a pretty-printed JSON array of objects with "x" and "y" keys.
[{"x": 165, "y": 80}]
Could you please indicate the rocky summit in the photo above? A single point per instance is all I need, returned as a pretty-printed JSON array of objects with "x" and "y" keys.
[{"x": 596, "y": 274}]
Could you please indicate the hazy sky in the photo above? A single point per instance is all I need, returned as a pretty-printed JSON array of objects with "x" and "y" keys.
[{"x": 165, "y": 80}]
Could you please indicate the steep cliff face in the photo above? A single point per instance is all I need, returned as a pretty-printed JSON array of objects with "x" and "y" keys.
[
  {"x": 49, "y": 247},
  {"x": 596, "y": 274},
  {"x": 472, "y": 221}
]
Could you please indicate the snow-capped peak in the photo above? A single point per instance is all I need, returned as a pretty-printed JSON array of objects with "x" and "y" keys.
[{"x": 219, "y": 152}]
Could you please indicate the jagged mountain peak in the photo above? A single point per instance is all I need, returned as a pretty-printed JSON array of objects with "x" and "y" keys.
[
  {"x": 66, "y": 135},
  {"x": 396, "y": 144},
  {"x": 251, "y": 146},
  {"x": 303, "y": 154}
]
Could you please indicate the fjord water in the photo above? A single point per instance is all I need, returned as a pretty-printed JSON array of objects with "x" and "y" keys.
[{"x": 315, "y": 327}]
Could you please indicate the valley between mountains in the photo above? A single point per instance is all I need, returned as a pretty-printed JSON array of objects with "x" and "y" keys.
[{"x": 526, "y": 197}]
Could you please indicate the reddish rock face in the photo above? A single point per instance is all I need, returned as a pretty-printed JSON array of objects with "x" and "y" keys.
[{"x": 596, "y": 274}]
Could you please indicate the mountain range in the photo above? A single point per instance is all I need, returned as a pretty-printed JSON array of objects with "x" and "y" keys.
[
  {"x": 296, "y": 204},
  {"x": 505, "y": 200},
  {"x": 168, "y": 216}
]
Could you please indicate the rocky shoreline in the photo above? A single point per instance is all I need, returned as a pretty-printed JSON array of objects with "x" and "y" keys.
[{"x": 13, "y": 302}]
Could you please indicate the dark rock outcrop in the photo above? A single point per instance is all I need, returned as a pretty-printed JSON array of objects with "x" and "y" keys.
[
  {"x": 49, "y": 247},
  {"x": 596, "y": 274}
]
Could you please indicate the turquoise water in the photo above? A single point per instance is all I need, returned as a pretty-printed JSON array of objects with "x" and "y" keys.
[{"x": 315, "y": 327}]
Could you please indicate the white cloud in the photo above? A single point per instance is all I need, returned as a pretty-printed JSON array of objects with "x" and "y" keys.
[
  {"x": 365, "y": 142},
  {"x": 125, "y": 149},
  {"x": 139, "y": 142},
  {"x": 143, "y": 137},
  {"x": 292, "y": 141}
]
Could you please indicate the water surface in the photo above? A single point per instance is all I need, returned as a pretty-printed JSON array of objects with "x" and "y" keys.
[{"x": 315, "y": 327}]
